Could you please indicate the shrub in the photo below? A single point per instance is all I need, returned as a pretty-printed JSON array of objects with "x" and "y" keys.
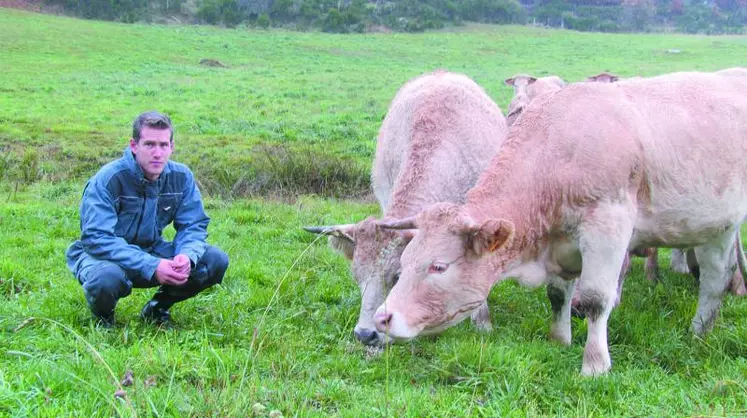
[
  {"x": 263, "y": 21},
  {"x": 28, "y": 167},
  {"x": 5, "y": 165},
  {"x": 334, "y": 21}
]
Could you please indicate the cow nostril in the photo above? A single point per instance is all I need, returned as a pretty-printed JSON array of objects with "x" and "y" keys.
[
  {"x": 382, "y": 320},
  {"x": 366, "y": 336}
]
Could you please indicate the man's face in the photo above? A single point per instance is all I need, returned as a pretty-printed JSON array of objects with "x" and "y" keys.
[{"x": 153, "y": 150}]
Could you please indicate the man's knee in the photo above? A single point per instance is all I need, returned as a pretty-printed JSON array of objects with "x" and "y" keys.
[
  {"x": 106, "y": 280},
  {"x": 216, "y": 262}
]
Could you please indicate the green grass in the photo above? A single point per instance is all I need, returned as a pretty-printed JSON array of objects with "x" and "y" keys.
[{"x": 279, "y": 330}]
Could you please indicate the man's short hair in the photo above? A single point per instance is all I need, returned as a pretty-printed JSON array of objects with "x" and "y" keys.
[{"x": 151, "y": 119}]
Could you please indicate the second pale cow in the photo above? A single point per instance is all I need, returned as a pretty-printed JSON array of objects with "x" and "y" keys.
[{"x": 439, "y": 134}]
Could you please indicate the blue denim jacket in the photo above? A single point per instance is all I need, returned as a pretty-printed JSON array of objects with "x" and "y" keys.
[{"x": 122, "y": 216}]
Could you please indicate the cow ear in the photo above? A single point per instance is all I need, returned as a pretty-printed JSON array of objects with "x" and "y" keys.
[
  {"x": 531, "y": 80},
  {"x": 509, "y": 81},
  {"x": 342, "y": 245},
  {"x": 407, "y": 234},
  {"x": 492, "y": 235},
  {"x": 341, "y": 237}
]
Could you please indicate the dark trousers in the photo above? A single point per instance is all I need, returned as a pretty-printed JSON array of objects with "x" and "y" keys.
[{"x": 104, "y": 282}]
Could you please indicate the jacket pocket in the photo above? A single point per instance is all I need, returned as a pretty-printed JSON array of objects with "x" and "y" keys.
[
  {"x": 129, "y": 211},
  {"x": 167, "y": 206}
]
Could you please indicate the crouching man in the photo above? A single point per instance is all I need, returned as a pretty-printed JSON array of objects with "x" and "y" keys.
[{"x": 124, "y": 209}]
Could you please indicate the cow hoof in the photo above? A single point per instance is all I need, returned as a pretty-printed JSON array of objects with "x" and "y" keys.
[
  {"x": 595, "y": 370},
  {"x": 483, "y": 326},
  {"x": 561, "y": 337}
]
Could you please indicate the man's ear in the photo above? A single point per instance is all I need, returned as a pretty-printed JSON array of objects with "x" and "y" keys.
[
  {"x": 492, "y": 235},
  {"x": 133, "y": 144}
]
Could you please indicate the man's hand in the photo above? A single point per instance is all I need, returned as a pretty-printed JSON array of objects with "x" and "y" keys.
[
  {"x": 166, "y": 273},
  {"x": 182, "y": 264}
]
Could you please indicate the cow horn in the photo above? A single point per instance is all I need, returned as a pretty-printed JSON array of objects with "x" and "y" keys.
[
  {"x": 338, "y": 231},
  {"x": 407, "y": 223}
]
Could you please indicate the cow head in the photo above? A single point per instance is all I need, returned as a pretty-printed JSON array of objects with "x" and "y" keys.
[
  {"x": 603, "y": 77},
  {"x": 520, "y": 81},
  {"x": 447, "y": 272},
  {"x": 528, "y": 88},
  {"x": 375, "y": 254}
]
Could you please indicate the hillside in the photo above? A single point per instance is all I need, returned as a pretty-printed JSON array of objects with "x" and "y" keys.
[{"x": 689, "y": 16}]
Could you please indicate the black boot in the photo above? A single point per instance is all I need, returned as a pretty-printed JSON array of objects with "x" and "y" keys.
[
  {"x": 155, "y": 312},
  {"x": 104, "y": 320}
]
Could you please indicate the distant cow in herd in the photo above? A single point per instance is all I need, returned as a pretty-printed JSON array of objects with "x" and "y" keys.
[{"x": 526, "y": 89}]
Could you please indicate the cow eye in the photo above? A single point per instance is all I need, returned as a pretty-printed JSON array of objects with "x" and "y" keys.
[
  {"x": 437, "y": 267},
  {"x": 395, "y": 279}
]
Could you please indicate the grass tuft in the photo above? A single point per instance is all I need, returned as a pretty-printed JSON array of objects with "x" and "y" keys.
[{"x": 282, "y": 171}]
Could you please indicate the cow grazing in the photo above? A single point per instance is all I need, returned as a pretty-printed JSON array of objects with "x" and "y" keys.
[
  {"x": 439, "y": 134},
  {"x": 585, "y": 176},
  {"x": 526, "y": 89}
]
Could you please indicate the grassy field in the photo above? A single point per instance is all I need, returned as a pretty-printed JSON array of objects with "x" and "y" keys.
[{"x": 281, "y": 137}]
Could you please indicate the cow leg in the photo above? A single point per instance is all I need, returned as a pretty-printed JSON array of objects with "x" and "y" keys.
[
  {"x": 560, "y": 293},
  {"x": 481, "y": 318},
  {"x": 576, "y": 301},
  {"x": 603, "y": 241},
  {"x": 652, "y": 264},
  {"x": 692, "y": 263},
  {"x": 678, "y": 263},
  {"x": 623, "y": 274},
  {"x": 736, "y": 282},
  {"x": 713, "y": 259}
]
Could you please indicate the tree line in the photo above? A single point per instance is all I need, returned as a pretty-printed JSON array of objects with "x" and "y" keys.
[{"x": 342, "y": 16}]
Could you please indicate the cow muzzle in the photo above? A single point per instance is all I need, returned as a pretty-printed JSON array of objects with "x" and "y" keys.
[
  {"x": 369, "y": 337},
  {"x": 393, "y": 325}
]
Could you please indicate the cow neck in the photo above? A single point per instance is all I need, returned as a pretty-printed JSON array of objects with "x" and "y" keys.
[
  {"x": 519, "y": 189},
  {"x": 401, "y": 210},
  {"x": 530, "y": 231}
]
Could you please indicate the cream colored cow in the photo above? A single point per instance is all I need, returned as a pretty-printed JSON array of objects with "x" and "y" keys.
[{"x": 439, "y": 134}]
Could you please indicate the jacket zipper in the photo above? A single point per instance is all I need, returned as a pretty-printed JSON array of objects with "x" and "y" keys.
[{"x": 142, "y": 213}]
